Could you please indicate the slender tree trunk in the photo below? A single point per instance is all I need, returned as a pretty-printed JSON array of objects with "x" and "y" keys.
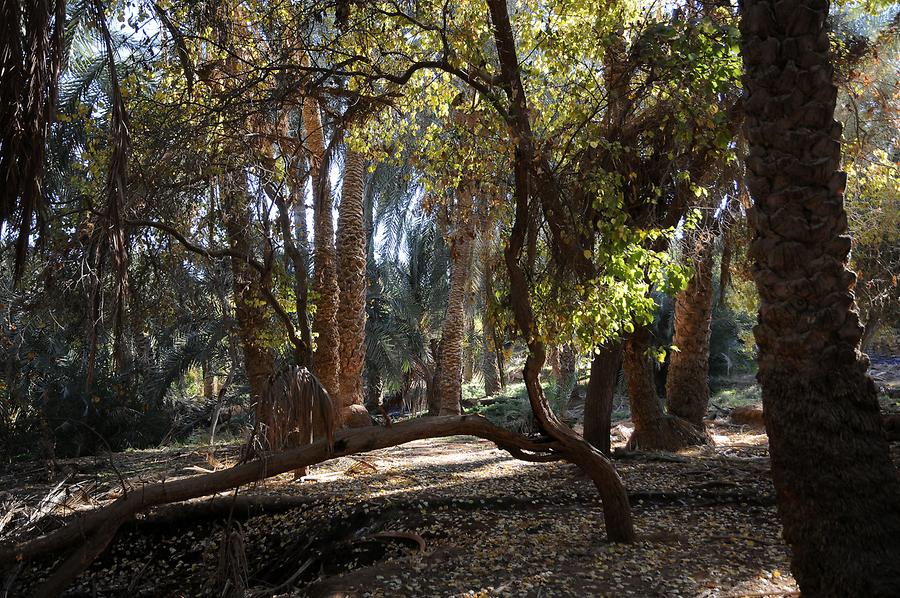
[
  {"x": 326, "y": 359},
  {"x": 292, "y": 220},
  {"x": 565, "y": 383},
  {"x": 489, "y": 362},
  {"x": 468, "y": 369},
  {"x": 489, "y": 368},
  {"x": 837, "y": 489},
  {"x": 617, "y": 512},
  {"x": 653, "y": 429},
  {"x": 351, "y": 254},
  {"x": 598, "y": 401},
  {"x": 554, "y": 362},
  {"x": 871, "y": 328},
  {"x": 491, "y": 352},
  {"x": 249, "y": 301},
  {"x": 687, "y": 383},
  {"x": 432, "y": 395},
  {"x": 449, "y": 379},
  {"x": 209, "y": 381}
]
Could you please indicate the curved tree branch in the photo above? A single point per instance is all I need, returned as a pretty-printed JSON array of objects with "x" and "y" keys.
[{"x": 97, "y": 528}]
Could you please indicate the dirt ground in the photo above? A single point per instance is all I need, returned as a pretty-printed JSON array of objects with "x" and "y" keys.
[{"x": 447, "y": 517}]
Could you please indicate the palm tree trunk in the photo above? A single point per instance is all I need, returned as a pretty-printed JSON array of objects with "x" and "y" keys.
[
  {"x": 837, "y": 490},
  {"x": 687, "y": 383},
  {"x": 351, "y": 255},
  {"x": 326, "y": 360},
  {"x": 449, "y": 380},
  {"x": 654, "y": 430},
  {"x": 598, "y": 401}
]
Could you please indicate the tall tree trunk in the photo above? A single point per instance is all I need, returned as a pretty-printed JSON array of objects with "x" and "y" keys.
[
  {"x": 687, "y": 383},
  {"x": 654, "y": 430},
  {"x": 468, "y": 365},
  {"x": 351, "y": 255},
  {"x": 492, "y": 354},
  {"x": 837, "y": 490},
  {"x": 554, "y": 362},
  {"x": 598, "y": 401},
  {"x": 326, "y": 360},
  {"x": 432, "y": 392},
  {"x": 565, "y": 383},
  {"x": 617, "y": 512},
  {"x": 292, "y": 220},
  {"x": 489, "y": 369},
  {"x": 872, "y": 326},
  {"x": 249, "y": 300},
  {"x": 210, "y": 381},
  {"x": 449, "y": 380}
]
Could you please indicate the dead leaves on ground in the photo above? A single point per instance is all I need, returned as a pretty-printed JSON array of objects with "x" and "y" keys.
[{"x": 458, "y": 517}]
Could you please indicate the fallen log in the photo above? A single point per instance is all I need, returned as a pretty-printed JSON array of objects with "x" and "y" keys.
[{"x": 98, "y": 527}]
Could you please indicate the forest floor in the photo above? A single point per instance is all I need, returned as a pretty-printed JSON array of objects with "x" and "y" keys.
[{"x": 440, "y": 517}]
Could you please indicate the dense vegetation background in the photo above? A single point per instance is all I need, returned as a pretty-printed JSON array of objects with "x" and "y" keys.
[{"x": 540, "y": 212}]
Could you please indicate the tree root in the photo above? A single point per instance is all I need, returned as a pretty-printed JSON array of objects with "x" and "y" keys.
[
  {"x": 668, "y": 433},
  {"x": 97, "y": 528}
]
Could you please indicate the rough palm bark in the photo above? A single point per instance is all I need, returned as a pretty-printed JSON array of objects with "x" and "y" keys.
[
  {"x": 654, "y": 430},
  {"x": 326, "y": 359},
  {"x": 687, "y": 382},
  {"x": 598, "y": 401},
  {"x": 449, "y": 378},
  {"x": 351, "y": 256},
  {"x": 836, "y": 487}
]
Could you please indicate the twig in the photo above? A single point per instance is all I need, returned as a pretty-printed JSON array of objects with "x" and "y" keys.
[
  {"x": 285, "y": 583},
  {"x": 403, "y": 536}
]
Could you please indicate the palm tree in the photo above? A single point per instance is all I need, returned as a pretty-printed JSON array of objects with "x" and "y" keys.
[
  {"x": 326, "y": 360},
  {"x": 837, "y": 490},
  {"x": 405, "y": 305},
  {"x": 449, "y": 383},
  {"x": 654, "y": 429},
  {"x": 31, "y": 49},
  {"x": 351, "y": 256},
  {"x": 687, "y": 381}
]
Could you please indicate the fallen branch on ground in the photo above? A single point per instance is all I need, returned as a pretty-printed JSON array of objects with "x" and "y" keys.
[{"x": 98, "y": 527}]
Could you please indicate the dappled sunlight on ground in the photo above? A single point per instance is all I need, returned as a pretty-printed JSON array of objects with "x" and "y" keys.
[{"x": 492, "y": 526}]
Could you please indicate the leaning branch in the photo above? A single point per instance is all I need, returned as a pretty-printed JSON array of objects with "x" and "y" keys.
[
  {"x": 199, "y": 249},
  {"x": 97, "y": 528}
]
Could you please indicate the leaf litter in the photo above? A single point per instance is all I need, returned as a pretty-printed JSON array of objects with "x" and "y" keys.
[{"x": 442, "y": 517}]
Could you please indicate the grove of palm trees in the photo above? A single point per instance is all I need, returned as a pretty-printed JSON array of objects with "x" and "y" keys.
[{"x": 449, "y": 298}]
